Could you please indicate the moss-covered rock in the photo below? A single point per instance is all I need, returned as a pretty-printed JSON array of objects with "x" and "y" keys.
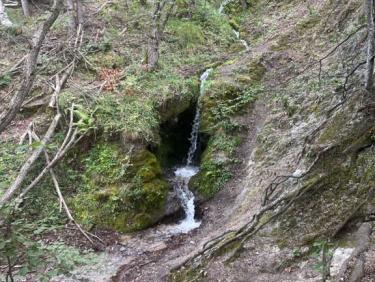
[
  {"x": 226, "y": 97},
  {"x": 120, "y": 192}
]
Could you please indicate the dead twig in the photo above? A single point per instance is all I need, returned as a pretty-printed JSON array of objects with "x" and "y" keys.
[
  {"x": 29, "y": 75},
  {"x": 62, "y": 200},
  {"x": 25, "y": 169}
]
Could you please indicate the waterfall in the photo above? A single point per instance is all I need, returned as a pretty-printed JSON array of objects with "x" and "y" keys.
[
  {"x": 182, "y": 175},
  {"x": 195, "y": 130}
]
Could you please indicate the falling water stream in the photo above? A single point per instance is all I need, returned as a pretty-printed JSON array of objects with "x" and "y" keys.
[{"x": 182, "y": 175}]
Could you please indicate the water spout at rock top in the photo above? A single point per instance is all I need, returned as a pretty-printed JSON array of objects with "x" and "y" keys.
[{"x": 222, "y": 6}]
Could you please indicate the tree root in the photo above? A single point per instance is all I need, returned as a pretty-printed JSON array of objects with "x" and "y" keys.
[{"x": 243, "y": 234}]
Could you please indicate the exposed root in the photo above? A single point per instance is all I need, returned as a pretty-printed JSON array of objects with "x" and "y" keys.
[{"x": 243, "y": 234}]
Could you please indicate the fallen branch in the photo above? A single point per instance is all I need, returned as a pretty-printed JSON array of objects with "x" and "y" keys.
[
  {"x": 70, "y": 140},
  {"x": 270, "y": 190},
  {"x": 15, "y": 104},
  {"x": 62, "y": 200},
  {"x": 280, "y": 205},
  {"x": 25, "y": 169}
]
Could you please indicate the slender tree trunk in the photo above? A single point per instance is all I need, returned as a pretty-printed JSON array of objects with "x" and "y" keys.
[
  {"x": 158, "y": 27},
  {"x": 370, "y": 45},
  {"x": 29, "y": 72},
  {"x": 244, "y": 4},
  {"x": 153, "y": 49},
  {"x": 4, "y": 19},
  {"x": 71, "y": 16},
  {"x": 25, "y": 8},
  {"x": 80, "y": 13}
]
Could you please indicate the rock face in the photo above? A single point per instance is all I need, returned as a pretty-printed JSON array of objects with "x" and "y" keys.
[
  {"x": 173, "y": 204},
  {"x": 231, "y": 92},
  {"x": 121, "y": 192},
  {"x": 340, "y": 256},
  {"x": 311, "y": 176}
]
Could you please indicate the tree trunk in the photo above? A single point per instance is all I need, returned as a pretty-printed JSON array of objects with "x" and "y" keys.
[
  {"x": 29, "y": 72},
  {"x": 244, "y": 4},
  {"x": 4, "y": 19},
  {"x": 370, "y": 45},
  {"x": 25, "y": 8},
  {"x": 158, "y": 26},
  {"x": 71, "y": 16},
  {"x": 153, "y": 49},
  {"x": 80, "y": 13}
]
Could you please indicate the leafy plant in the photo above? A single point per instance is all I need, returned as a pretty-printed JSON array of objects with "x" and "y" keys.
[
  {"x": 19, "y": 246},
  {"x": 321, "y": 250},
  {"x": 5, "y": 80}
]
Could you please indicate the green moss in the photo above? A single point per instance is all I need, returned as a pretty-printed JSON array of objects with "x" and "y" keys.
[
  {"x": 308, "y": 23},
  {"x": 334, "y": 129},
  {"x": 108, "y": 60},
  {"x": 119, "y": 192},
  {"x": 189, "y": 34},
  {"x": 132, "y": 116},
  {"x": 282, "y": 43},
  {"x": 256, "y": 70},
  {"x": 146, "y": 166},
  {"x": 225, "y": 98},
  {"x": 210, "y": 179},
  {"x": 173, "y": 106},
  {"x": 234, "y": 24}
]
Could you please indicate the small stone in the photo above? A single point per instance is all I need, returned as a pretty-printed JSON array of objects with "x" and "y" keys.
[
  {"x": 158, "y": 246},
  {"x": 338, "y": 259}
]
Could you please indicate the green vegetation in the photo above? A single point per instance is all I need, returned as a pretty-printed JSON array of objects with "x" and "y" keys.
[
  {"x": 225, "y": 99},
  {"x": 120, "y": 192},
  {"x": 47, "y": 261}
]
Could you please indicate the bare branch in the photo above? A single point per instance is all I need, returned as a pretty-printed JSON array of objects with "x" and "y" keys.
[
  {"x": 30, "y": 69},
  {"x": 29, "y": 163}
]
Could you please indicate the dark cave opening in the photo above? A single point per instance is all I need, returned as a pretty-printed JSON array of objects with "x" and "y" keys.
[
  {"x": 175, "y": 140},
  {"x": 172, "y": 152}
]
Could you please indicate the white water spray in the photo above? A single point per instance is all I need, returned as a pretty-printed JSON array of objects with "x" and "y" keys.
[{"x": 185, "y": 173}]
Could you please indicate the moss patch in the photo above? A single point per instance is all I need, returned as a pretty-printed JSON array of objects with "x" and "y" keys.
[
  {"x": 120, "y": 192},
  {"x": 226, "y": 98}
]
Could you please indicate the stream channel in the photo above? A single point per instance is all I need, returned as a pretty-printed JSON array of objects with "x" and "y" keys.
[{"x": 183, "y": 174}]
